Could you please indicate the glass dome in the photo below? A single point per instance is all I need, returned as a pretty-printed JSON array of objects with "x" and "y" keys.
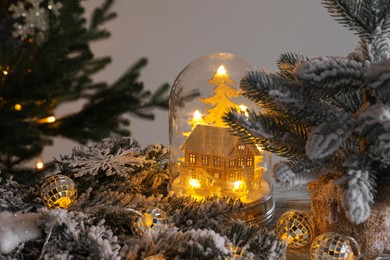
[{"x": 205, "y": 158}]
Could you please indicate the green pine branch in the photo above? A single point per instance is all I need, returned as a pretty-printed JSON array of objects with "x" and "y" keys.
[{"x": 48, "y": 68}]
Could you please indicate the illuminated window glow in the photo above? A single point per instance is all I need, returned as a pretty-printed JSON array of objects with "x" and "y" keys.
[
  {"x": 217, "y": 161},
  {"x": 192, "y": 158},
  {"x": 205, "y": 160}
]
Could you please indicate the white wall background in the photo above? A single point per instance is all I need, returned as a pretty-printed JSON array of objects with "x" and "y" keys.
[{"x": 172, "y": 33}]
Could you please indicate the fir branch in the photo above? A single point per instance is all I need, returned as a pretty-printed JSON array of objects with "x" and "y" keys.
[
  {"x": 356, "y": 15},
  {"x": 378, "y": 48},
  {"x": 297, "y": 172},
  {"x": 350, "y": 103},
  {"x": 275, "y": 134},
  {"x": 254, "y": 239},
  {"x": 333, "y": 75},
  {"x": 374, "y": 116},
  {"x": 326, "y": 138},
  {"x": 270, "y": 90},
  {"x": 97, "y": 159},
  {"x": 377, "y": 77},
  {"x": 374, "y": 124},
  {"x": 358, "y": 189},
  {"x": 284, "y": 97},
  {"x": 287, "y": 63},
  {"x": 17, "y": 197},
  {"x": 102, "y": 14}
]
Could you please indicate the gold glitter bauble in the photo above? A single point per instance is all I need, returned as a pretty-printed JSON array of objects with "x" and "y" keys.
[
  {"x": 152, "y": 218},
  {"x": 334, "y": 246},
  {"x": 296, "y": 227},
  {"x": 58, "y": 191}
]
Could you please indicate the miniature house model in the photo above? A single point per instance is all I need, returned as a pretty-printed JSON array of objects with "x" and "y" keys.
[
  {"x": 214, "y": 157},
  {"x": 206, "y": 160}
]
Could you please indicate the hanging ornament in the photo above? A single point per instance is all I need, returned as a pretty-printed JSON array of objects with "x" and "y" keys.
[
  {"x": 334, "y": 246},
  {"x": 33, "y": 20},
  {"x": 296, "y": 228},
  {"x": 58, "y": 191},
  {"x": 152, "y": 218}
]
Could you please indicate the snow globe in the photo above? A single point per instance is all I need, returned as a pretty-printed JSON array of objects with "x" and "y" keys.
[{"x": 206, "y": 160}]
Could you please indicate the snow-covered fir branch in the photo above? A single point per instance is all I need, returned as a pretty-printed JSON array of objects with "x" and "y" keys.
[
  {"x": 276, "y": 134},
  {"x": 358, "y": 189},
  {"x": 331, "y": 75},
  {"x": 100, "y": 224},
  {"x": 342, "y": 102}
]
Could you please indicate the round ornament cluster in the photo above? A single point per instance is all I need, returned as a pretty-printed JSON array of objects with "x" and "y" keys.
[
  {"x": 334, "y": 246},
  {"x": 296, "y": 227},
  {"x": 152, "y": 218},
  {"x": 58, "y": 191}
]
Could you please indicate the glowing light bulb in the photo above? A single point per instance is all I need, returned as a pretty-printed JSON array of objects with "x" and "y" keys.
[
  {"x": 39, "y": 165},
  {"x": 197, "y": 118},
  {"x": 194, "y": 183},
  {"x": 5, "y": 73},
  {"x": 244, "y": 109},
  {"x": 221, "y": 71},
  {"x": 50, "y": 119},
  {"x": 18, "y": 107},
  {"x": 237, "y": 185}
]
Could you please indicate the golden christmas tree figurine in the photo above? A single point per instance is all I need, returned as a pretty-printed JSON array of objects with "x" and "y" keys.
[{"x": 221, "y": 100}]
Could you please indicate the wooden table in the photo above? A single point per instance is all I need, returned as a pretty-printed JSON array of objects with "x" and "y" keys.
[{"x": 286, "y": 199}]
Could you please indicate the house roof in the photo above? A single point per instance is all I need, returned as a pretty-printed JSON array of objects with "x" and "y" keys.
[{"x": 213, "y": 140}]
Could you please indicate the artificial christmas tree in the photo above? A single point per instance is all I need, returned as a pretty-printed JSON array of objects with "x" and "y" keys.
[
  {"x": 46, "y": 61},
  {"x": 330, "y": 117}
]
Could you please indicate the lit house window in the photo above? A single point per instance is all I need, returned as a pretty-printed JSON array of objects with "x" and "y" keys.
[
  {"x": 232, "y": 176},
  {"x": 205, "y": 160},
  {"x": 232, "y": 163},
  {"x": 241, "y": 146},
  {"x": 217, "y": 161},
  {"x": 192, "y": 158},
  {"x": 249, "y": 162},
  {"x": 240, "y": 162},
  {"x": 216, "y": 175}
]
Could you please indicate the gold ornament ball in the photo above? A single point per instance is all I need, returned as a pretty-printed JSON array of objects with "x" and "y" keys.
[
  {"x": 152, "y": 218},
  {"x": 334, "y": 246},
  {"x": 296, "y": 227},
  {"x": 58, "y": 191}
]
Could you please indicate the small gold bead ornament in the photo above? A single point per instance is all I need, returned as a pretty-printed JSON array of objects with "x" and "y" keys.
[{"x": 58, "y": 191}]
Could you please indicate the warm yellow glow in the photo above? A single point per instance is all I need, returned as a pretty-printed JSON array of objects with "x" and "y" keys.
[
  {"x": 237, "y": 185},
  {"x": 148, "y": 220},
  {"x": 18, "y": 107},
  {"x": 243, "y": 108},
  {"x": 39, "y": 165},
  {"x": 5, "y": 73},
  {"x": 194, "y": 183},
  {"x": 50, "y": 119},
  {"x": 259, "y": 147},
  {"x": 221, "y": 71},
  {"x": 197, "y": 117},
  {"x": 63, "y": 202},
  {"x": 286, "y": 238}
]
